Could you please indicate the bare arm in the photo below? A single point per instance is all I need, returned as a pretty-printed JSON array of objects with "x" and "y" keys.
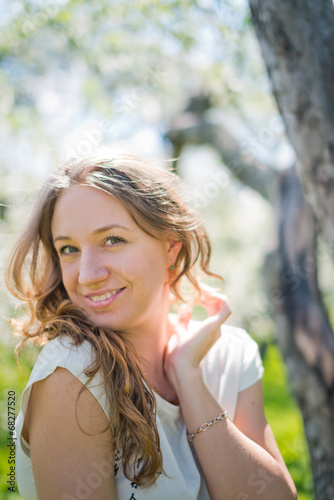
[
  {"x": 251, "y": 421},
  {"x": 239, "y": 460},
  {"x": 234, "y": 465},
  {"x": 68, "y": 463}
]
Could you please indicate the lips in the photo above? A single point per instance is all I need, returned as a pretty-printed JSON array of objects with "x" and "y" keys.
[{"x": 103, "y": 298}]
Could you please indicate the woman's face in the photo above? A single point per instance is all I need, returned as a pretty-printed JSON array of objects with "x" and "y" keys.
[{"x": 111, "y": 268}]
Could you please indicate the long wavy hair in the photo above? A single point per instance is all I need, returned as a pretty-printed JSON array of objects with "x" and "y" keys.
[{"x": 153, "y": 198}]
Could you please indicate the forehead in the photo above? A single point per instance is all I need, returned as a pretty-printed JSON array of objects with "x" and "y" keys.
[{"x": 88, "y": 207}]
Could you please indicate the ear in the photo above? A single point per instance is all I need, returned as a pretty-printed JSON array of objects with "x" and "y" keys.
[{"x": 173, "y": 250}]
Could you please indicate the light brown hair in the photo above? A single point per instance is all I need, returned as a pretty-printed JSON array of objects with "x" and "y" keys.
[{"x": 152, "y": 198}]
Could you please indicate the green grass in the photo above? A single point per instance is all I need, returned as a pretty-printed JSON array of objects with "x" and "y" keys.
[
  {"x": 281, "y": 411},
  {"x": 285, "y": 420}
]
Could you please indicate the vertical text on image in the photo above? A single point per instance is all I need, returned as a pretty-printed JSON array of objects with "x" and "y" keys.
[{"x": 11, "y": 481}]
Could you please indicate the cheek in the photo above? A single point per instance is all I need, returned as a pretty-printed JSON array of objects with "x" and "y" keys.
[
  {"x": 68, "y": 277},
  {"x": 131, "y": 269},
  {"x": 155, "y": 273},
  {"x": 146, "y": 272}
]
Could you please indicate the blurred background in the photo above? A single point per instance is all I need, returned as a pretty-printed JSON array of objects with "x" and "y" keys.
[{"x": 166, "y": 80}]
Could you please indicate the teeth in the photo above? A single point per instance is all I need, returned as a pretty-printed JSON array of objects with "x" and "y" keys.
[{"x": 99, "y": 298}]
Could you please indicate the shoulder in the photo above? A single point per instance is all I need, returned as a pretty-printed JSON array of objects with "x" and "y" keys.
[
  {"x": 236, "y": 355},
  {"x": 233, "y": 341},
  {"x": 238, "y": 341},
  {"x": 61, "y": 393},
  {"x": 63, "y": 417},
  {"x": 62, "y": 351},
  {"x": 57, "y": 386},
  {"x": 64, "y": 347}
]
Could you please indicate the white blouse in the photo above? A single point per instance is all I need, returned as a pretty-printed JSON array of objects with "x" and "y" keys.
[{"x": 232, "y": 365}]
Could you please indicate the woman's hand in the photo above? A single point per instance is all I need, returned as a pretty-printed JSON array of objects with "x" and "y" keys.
[{"x": 186, "y": 349}]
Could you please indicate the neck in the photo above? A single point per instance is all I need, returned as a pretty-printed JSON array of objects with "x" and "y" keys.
[
  {"x": 150, "y": 339},
  {"x": 151, "y": 358},
  {"x": 150, "y": 346}
]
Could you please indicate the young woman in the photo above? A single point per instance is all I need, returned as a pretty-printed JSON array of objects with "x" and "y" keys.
[{"x": 127, "y": 401}]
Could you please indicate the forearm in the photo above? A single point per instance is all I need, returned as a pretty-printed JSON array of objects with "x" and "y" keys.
[{"x": 234, "y": 466}]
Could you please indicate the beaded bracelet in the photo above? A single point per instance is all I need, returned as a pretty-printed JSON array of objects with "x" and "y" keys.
[{"x": 207, "y": 425}]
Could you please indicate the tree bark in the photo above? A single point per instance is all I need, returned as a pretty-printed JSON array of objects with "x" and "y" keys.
[{"x": 297, "y": 42}]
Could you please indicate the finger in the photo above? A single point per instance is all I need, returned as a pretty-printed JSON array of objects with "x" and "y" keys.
[
  {"x": 212, "y": 299},
  {"x": 184, "y": 315},
  {"x": 217, "y": 319},
  {"x": 213, "y": 303},
  {"x": 208, "y": 291}
]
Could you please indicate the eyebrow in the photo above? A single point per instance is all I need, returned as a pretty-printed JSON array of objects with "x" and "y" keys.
[{"x": 100, "y": 230}]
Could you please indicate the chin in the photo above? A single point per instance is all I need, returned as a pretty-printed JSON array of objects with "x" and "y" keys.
[{"x": 111, "y": 324}]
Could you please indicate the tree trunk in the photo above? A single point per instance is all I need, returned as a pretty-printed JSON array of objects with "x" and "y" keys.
[
  {"x": 304, "y": 333},
  {"x": 297, "y": 42}
]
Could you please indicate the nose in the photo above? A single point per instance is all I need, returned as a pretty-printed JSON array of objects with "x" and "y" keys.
[{"x": 91, "y": 269}]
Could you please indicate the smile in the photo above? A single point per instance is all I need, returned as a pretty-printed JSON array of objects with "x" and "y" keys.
[
  {"x": 97, "y": 301},
  {"x": 98, "y": 298}
]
